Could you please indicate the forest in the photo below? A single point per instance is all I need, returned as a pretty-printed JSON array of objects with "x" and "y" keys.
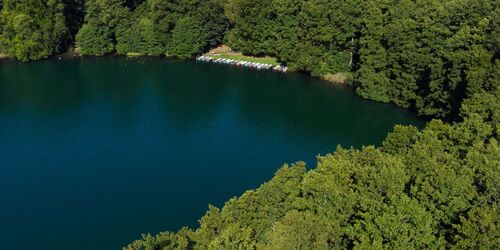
[{"x": 434, "y": 188}]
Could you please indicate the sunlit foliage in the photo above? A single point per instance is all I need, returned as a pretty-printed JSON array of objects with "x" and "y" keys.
[{"x": 32, "y": 29}]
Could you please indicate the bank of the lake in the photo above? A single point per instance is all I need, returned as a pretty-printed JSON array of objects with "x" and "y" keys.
[{"x": 99, "y": 150}]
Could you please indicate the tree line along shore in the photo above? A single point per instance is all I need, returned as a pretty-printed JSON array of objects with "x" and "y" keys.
[
  {"x": 426, "y": 56},
  {"x": 434, "y": 188}
]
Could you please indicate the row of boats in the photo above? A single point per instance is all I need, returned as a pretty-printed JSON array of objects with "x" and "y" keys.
[{"x": 244, "y": 64}]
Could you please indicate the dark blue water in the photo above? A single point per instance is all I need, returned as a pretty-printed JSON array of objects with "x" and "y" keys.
[{"x": 95, "y": 152}]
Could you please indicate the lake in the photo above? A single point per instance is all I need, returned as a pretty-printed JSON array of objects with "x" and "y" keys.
[{"x": 94, "y": 152}]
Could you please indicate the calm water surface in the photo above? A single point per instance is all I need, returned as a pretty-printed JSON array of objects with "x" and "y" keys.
[{"x": 95, "y": 152}]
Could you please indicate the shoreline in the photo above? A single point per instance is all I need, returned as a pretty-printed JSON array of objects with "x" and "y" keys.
[
  {"x": 242, "y": 63},
  {"x": 223, "y": 54}
]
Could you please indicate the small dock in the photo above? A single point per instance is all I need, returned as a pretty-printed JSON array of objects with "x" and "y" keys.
[{"x": 243, "y": 64}]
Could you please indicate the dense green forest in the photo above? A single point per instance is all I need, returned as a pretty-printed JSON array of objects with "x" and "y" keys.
[
  {"x": 435, "y": 188},
  {"x": 425, "y": 55}
]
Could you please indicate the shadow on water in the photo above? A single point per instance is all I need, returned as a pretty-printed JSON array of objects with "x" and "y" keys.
[{"x": 96, "y": 151}]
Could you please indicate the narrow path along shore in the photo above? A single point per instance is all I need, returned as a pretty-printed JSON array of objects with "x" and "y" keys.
[{"x": 244, "y": 64}]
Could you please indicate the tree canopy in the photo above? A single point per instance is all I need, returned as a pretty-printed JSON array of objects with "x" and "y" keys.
[
  {"x": 424, "y": 55},
  {"x": 435, "y": 188},
  {"x": 428, "y": 56},
  {"x": 181, "y": 28},
  {"x": 32, "y": 29}
]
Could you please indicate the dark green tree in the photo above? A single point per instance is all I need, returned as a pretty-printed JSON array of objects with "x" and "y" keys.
[
  {"x": 138, "y": 34},
  {"x": 74, "y": 13},
  {"x": 32, "y": 29},
  {"x": 102, "y": 19},
  {"x": 180, "y": 28},
  {"x": 255, "y": 28},
  {"x": 187, "y": 38}
]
